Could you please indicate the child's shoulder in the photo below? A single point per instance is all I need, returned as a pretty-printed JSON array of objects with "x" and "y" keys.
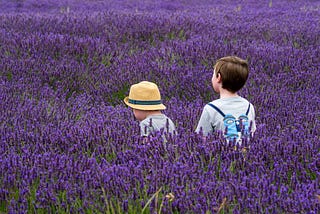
[
  {"x": 223, "y": 101},
  {"x": 229, "y": 103}
]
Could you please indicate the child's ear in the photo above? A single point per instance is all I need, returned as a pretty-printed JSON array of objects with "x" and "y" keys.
[{"x": 219, "y": 77}]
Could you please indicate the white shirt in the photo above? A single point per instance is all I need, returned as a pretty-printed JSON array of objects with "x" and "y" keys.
[
  {"x": 211, "y": 120},
  {"x": 155, "y": 123}
]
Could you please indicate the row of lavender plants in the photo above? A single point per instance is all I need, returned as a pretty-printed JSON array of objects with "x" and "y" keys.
[{"x": 70, "y": 145}]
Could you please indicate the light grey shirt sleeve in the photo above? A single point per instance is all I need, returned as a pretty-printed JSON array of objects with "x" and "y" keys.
[
  {"x": 206, "y": 122},
  {"x": 253, "y": 119}
]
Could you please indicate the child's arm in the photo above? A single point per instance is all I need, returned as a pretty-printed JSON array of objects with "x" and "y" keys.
[
  {"x": 253, "y": 122},
  {"x": 204, "y": 123}
]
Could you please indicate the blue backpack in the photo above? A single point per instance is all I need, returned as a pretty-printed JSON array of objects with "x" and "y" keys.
[{"x": 235, "y": 128}]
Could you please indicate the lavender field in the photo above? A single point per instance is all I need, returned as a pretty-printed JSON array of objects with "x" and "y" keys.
[{"x": 70, "y": 145}]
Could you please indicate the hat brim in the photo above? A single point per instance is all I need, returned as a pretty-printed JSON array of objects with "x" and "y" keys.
[{"x": 144, "y": 107}]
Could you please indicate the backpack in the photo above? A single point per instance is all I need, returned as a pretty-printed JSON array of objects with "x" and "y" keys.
[{"x": 235, "y": 128}]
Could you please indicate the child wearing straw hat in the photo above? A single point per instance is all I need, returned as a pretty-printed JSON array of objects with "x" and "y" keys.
[{"x": 145, "y": 100}]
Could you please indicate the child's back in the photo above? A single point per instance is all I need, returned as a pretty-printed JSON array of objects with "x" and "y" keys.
[
  {"x": 154, "y": 123},
  {"x": 212, "y": 118}
]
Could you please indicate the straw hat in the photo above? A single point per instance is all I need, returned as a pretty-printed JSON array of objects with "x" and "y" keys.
[{"x": 144, "y": 96}]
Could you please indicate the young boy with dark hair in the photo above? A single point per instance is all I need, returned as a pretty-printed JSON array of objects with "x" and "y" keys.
[{"x": 229, "y": 76}]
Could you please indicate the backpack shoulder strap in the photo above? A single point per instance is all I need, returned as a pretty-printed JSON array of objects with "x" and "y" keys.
[
  {"x": 248, "y": 109},
  {"x": 217, "y": 109}
]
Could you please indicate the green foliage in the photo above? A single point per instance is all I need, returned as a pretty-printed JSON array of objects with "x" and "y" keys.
[
  {"x": 32, "y": 197},
  {"x": 9, "y": 76},
  {"x": 120, "y": 94}
]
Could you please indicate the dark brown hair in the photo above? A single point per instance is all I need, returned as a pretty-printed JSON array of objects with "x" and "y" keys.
[{"x": 234, "y": 72}]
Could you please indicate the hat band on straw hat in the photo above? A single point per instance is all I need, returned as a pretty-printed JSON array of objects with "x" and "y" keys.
[{"x": 144, "y": 102}]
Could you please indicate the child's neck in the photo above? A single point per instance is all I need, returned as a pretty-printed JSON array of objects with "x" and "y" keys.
[
  {"x": 156, "y": 112},
  {"x": 227, "y": 94}
]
